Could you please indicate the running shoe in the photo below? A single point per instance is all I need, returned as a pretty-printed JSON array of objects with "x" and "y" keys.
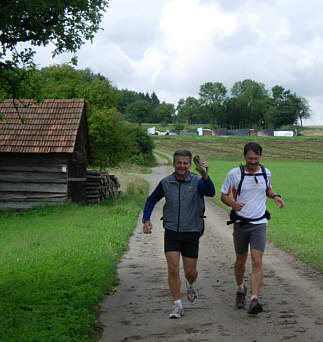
[
  {"x": 241, "y": 297},
  {"x": 177, "y": 312},
  {"x": 191, "y": 293},
  {"x": 255, "y": 307}
]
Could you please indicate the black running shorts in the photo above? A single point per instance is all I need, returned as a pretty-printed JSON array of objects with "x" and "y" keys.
[
  {"x": 249, "y": 234},
  {"x": 185, "y": 243}
]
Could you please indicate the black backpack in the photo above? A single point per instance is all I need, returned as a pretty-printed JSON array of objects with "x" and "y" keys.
[
  {"x": 233, "y": 215},
  {"x": 243, "y": 174}
]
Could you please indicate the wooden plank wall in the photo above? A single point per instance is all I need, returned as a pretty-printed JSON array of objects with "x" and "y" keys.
[{"x": 28, "y": 180}]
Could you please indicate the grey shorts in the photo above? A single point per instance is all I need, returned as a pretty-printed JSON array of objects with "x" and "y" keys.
[{"x": 253, "y": 234}]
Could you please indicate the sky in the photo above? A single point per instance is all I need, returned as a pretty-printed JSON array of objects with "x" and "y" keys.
[{"x": 172, "y": 47}]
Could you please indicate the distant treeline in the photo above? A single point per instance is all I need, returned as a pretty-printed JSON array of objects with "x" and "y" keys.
[
  {"x": 249, "y": 106},
  {"x": 111, "y": 110}
]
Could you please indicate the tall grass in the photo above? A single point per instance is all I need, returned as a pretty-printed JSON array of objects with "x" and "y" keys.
[{"x": 56, "y": 264}]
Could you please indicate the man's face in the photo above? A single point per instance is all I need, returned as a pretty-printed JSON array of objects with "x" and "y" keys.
[
  {"x": 252, "y": 160},
  {"x": 182, "y": 166}
]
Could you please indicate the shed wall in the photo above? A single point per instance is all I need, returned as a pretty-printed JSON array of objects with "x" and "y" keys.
[{"x": 28, "y": 180}]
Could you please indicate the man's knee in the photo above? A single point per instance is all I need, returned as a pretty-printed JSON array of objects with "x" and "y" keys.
[
  {"x": 241, "y": 260},
  {"x": 256, "y": 259},
  {"x": 191, "y": 276},
  {"x": 173, "y": 269}
]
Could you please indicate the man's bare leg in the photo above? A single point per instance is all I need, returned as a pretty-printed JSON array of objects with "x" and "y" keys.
[
  {"x": 190, "y": 271},
  {"x": 240, "y": 267},
  {"x": 189, "y": 265},
  {"x": 256, "y": 274},
  {"x": 239, "y": 270},
  {"x": 173, "y": 274}
]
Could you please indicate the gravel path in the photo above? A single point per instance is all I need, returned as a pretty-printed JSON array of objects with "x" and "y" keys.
[{"x": 138, "y": 310}]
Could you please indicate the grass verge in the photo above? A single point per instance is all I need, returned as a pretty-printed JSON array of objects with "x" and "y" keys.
[{"x": 56, "y": 264}]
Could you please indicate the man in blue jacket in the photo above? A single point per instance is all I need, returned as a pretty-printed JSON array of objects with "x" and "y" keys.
[{"x": 183, "y": 220}]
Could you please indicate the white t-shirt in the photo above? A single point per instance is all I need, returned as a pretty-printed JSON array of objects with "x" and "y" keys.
[{"x": 252, "y": 194}]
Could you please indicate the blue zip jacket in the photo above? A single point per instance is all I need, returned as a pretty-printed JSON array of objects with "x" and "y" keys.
[{"x": 184, "y": 206}]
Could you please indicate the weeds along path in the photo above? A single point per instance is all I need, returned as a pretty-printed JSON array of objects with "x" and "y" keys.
[{"x": 138, "y": 310}]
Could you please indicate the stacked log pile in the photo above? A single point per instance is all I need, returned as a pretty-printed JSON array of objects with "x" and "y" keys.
[{"x": 100, "y": 185}]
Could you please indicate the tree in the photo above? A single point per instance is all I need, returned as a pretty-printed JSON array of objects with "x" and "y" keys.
[
  {"x": 212, "y": 93},
  {"x": 140, "y": 150},
  {"x": 64, "y": 81},
  {"x": 164, "y": 113},
  {"x": 241, "y": 87},
  {"x": 109, "y": 138},
  {"x": 212, "y": 96},
  {"x": 235, "y": 114},
  {"x": 303, "y": 110},
  {"x": 125, "y": 97},
  {"x": 278, "y": 93},
  {"x": 253, "y": 98},
  {"x": 188, "y": 110},
  {"x": 289, "y": 108},
  {"x": 154, "y": 99},
  {"x": 139, "y": 111},
  {"x": 66, "y": 24},
  {"x": 272, "y": 117}
]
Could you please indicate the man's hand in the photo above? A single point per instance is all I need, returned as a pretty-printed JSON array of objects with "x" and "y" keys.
[
  {"x": 201, "y": 167},
  {"x": 237, "y": 206},
  {"x": 279, "y": 201},
  {"x": 147, "y": 227}
]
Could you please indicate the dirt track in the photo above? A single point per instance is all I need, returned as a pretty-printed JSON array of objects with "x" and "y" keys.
[{"x": 292, "y": 292}]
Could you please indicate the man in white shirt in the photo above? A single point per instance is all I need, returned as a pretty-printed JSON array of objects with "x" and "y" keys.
[{"x": 250, "y": 187}]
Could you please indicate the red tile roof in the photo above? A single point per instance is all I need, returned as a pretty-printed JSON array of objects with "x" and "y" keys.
[{"x": 50, "y": 126}]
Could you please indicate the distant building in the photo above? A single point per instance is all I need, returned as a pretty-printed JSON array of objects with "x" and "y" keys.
[{"x": 283, "y": 133}]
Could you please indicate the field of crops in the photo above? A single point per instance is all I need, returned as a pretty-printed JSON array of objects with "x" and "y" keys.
[{"x": 300, "y": 148}]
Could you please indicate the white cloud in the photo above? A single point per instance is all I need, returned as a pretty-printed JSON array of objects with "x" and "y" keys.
[{"x": 173, "y": 46}]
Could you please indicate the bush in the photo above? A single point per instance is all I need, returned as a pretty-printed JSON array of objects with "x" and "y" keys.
[
  {"x": 114, "y": 141},
  {"x": 140, "y": 150},
  {"x": 179, "y": 126},
  {"x": 108, "y": 138}
]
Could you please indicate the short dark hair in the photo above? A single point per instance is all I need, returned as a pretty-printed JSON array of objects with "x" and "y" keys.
[
  {"x": 254, "y": 147},
  {"x": 183, "y": 153}
]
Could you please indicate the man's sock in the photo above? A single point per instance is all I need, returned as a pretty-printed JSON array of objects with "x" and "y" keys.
[
  {"x": 178, "y": 302},
  {"x": 241, "y": 287},
  {"x": 253, "y": 297}
]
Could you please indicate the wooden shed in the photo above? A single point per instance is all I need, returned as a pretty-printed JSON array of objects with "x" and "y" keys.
[{"x": 44, "y": 150}]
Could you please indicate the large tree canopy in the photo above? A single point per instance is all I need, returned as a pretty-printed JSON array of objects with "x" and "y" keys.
[{"x": 66, "y": 24}]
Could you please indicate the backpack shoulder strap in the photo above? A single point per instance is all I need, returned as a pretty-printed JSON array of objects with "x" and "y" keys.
[
  {"x": 264, "y": 173},
  {"x": 241, "y": 180}
]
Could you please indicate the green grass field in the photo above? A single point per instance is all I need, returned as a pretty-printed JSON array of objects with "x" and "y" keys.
[{"x": 56, "y": 264}]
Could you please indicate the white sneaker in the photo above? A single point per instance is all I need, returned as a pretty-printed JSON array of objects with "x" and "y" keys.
[
  {"x": 191, "y": 293},
  {"x": 177, "y": 312}
]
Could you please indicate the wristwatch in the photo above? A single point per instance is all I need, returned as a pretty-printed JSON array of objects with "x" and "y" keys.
[{"x": 277, "y": 195}]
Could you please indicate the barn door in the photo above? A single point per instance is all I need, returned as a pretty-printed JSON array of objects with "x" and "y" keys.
[{"x": 77, "y": 178}]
